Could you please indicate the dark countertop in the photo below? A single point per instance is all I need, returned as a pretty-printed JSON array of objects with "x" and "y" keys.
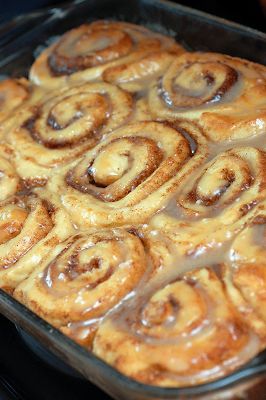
[{"x": 23, "y": 376}]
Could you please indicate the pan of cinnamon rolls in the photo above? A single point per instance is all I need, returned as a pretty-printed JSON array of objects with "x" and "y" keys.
[{"x": 133, "y": 201}]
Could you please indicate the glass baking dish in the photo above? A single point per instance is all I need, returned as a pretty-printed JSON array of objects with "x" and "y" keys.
[{"x": 20, "y": 41}]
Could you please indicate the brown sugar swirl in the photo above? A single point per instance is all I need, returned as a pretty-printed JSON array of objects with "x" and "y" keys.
[
  {"x": 88, "y": 46},
  {"x": 215, "y": 203},
  {"x": 130, "y": 174},
  {"x": 30, "y": 225},
  {"x": 197, "y": 83},
  {"x": 84, "y": 278},
  {"x": 120, "y": 52},
  {"x": 229, "y": 175},
  {"x": 226, "y": 95},
  {"x": 63, "y": 125},
  {"x": 185, "y": 333},
  {"x": 133, "y": 201},
  {"x": 112, "y": 187}
]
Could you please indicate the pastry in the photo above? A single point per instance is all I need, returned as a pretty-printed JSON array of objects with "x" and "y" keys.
[
  {"x": 185, "y": 333},
  {"x": 215, "y": 204},
  {"x": 244, "y": 272},
  {"x": 117, "y": 52},
  {"x": 62, "y": 125},
  {"x": 132, "y": 201},
  {"x": 131, "y": 174},
  {"x": 30, "y": 226},
  {"x": 226, "y": 95},
  {"x": 84, "y": 278}
]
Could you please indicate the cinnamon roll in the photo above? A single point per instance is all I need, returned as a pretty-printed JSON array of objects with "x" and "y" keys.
[
  {"x": 244, "y": 272},
  {"x": 226, "y": 95},
  {"x": 56, "y": 130},
  {"x": 83, "y": 279},
  {"x": 133, "y": 201},
  {"x": 13, "y": 92},
  {"x": 30, "y": 226},
  {"x": 182, "y": 334},
  {"x": 118, "y": 52},
  {"x": 131, "y": 174},
  {"x": 214, "y": 204}
]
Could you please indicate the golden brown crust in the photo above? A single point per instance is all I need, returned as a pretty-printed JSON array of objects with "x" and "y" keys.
[
  {"x": 145, "y": 239},
  {"x": 63, "y": 125},
  {"x": 214, "y": 204},
  {"x": 31, "y": 225},
  {"x": 83, "y": 279},
  {"x": 225, "y": 94},
  {"x": 119, "y": 52},
  {"x": 185, "y": 333},
  {"x": 245, "y": 274},
  {"x": 131, "y": 174}
]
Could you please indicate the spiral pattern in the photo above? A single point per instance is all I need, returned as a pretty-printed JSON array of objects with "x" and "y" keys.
[
  {"x": 55, "y": 131},
  {"x": 30, "y": 225},
  {"x": 237, "y": 173},
  {"x": 131, "y": 174},
  {"x": 187, "y": 332},
  {"x": 138, "y": 75},
  {"x": 133, "y": 201},
  {"x": 13, "y": 92},
  {"x": 125, "y": 54},
  {"x": 215, "y": 203},
  {"x": 225, "y": 95},
  {"x": 244, "y": 272},
  {"x": 84, "y": 278}
]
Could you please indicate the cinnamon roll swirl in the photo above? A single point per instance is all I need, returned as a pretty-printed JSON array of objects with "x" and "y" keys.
[
  {"x": 119, "y": 52},
  {"x": 145, "y": 239},
  {"x": 226, "y": 95},
  {"x": 183, "y": 334},
  {"x": 30, "y": 226},
  {"x": 245, "y": 275},
  {"x": 83, "y": 279},
  {"x": 215, "y": 203},
  {"x": 54, "y": 131},
  {"x": 13, "y": 92},
  {"x": 131, "y": 174}
]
